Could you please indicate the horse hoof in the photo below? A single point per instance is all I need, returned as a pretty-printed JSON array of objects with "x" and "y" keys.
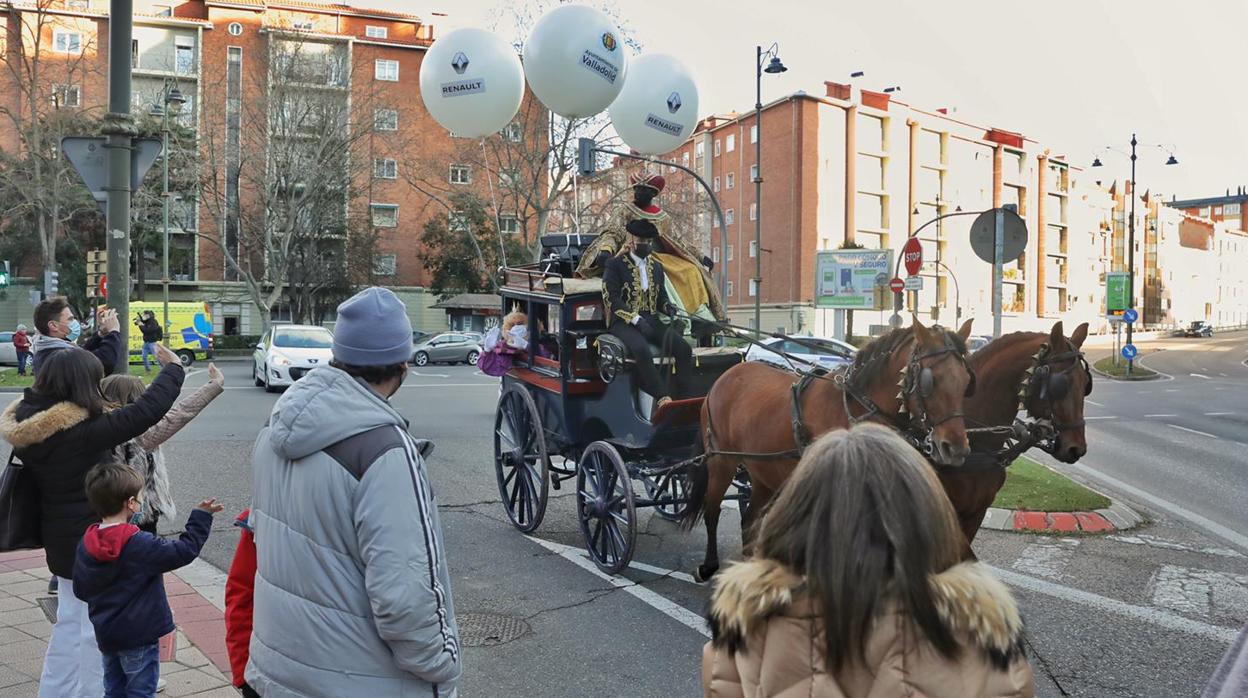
[{"x": 701, "y": 576}]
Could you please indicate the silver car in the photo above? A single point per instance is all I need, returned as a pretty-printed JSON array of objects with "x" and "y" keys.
[{"x": 447, "y": 347}]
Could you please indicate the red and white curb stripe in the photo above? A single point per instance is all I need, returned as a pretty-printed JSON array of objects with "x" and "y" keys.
[{"x": 1118, "y": 517}]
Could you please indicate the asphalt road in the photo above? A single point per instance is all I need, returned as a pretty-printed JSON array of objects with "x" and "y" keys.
[{"x": 1143, "y": 614}]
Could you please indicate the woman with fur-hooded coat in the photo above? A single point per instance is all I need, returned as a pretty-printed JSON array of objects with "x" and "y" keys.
[{"x": 856, "y": 589}]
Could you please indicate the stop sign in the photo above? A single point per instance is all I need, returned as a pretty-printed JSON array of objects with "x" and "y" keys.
[
  {"x": 104, "y": 285},
  {"x": 912, "y": 256},
  {"x": 896, "y": 285}
]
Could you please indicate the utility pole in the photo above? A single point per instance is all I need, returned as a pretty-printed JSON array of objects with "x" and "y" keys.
[
  {"x": 119, "y": 130},
  {"x": 1131, "y": 253}
]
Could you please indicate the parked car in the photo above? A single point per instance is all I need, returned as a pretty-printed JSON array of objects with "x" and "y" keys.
[
  {"x": 976, "y": 342},
  {"x": 419, "y": 336},
  {"x": 811, "y": 351},
  {"x": 448, "y": 347},
  {"x": 287, "y": 352},
  {"x": 1198, "y": 328},
  {"x": 8, "y": 352}
]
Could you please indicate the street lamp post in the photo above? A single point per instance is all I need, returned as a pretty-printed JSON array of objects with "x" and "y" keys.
[
  {"x": 774, "y": 66},
  {"x": 1096, "y": 162},
  {"x": 171, "y": 103}
]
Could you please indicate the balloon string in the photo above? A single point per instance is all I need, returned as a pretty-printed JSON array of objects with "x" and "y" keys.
[{"x": 498, "y": 221}]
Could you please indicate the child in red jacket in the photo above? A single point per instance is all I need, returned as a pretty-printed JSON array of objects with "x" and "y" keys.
[{"x": 240, "y": 588}]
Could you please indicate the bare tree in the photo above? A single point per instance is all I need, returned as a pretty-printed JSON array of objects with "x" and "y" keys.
[
  {"x": 42, "y": 102},
  {"x": 282, "y": 170}
]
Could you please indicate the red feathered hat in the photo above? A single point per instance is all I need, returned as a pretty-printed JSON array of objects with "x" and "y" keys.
[{"x": 654, "y": 181}]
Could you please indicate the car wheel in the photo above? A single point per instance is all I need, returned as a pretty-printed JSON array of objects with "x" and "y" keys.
[
  {"x": 187, "y": 357},
  {"x": 255, "y": 375},
  {"x": 421, "y": 358},
  {"x": 473, "y": 356},
  {"x": 268, "y": 388}
]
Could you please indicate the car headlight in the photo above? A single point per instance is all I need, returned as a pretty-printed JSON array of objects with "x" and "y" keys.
[{"x": 279, "y": 360}]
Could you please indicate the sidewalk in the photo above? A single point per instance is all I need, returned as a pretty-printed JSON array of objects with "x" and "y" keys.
[{"x": 200, "y": 665}]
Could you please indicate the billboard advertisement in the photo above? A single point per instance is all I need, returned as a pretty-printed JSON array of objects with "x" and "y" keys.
[{"x": 851, "y": 279}]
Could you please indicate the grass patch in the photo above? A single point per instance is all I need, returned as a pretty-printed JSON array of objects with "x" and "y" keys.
[
  {"x": 1031, "y": 486},
  {"x": 1119, "y": 370},
  {"x": 10, "y": 379}
]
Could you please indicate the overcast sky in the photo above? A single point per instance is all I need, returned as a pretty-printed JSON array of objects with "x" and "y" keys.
[{"x": 1074, "y": 74}]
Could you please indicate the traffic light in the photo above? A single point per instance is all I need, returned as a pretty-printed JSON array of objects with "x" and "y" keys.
[
  {"x": 5, "y": 271},
  {"x": 585, "y": 160},
  {"x": 97, "y": 267},
  {"x": 51, "y": 283}
]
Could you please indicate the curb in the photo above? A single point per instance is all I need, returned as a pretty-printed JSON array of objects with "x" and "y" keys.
[{"x": 1118, "y": 517}]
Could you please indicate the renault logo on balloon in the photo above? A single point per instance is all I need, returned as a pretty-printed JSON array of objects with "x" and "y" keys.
[
  {"x": 460, "y": 62},
  {"x": 656, "y": 83},
  {"x": 673, "y": 102}
]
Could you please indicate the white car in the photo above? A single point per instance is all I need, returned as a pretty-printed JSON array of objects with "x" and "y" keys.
[
  {"x": 8, "y": 351},
  {"x": 806, "y": 352},
  {"x": 287, "y": 352}
]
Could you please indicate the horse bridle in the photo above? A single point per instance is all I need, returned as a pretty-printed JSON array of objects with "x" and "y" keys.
[{"x": 1048, "y": 386}]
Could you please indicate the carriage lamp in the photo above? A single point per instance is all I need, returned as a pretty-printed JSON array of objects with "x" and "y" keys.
[{"x": 588, "y": 312}]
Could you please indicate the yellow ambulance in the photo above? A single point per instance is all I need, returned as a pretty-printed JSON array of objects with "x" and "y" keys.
[{"x": 189, "y": 333}]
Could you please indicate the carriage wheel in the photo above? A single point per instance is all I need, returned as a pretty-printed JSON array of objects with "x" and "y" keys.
[
  {"x": 611, "y": 362},
  {"x": 520, "y": 459},
  {"x": 605, "y": 507},
  {"x": 669, "y": 493}
]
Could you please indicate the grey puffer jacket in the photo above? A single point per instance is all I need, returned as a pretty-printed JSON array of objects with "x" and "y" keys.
[{"x": 352, "y": 594}]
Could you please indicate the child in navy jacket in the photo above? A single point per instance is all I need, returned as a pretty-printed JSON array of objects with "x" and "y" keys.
[{"x": 118, "y": 571}]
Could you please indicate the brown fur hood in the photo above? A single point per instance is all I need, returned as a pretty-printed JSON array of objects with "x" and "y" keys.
[
  {"x": 40, "y": 426},
  {"x": 970, "y": 601}
]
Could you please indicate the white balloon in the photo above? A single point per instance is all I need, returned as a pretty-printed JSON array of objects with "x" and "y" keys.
[
  {"x": 472, "y": 82},
  {"x": 575, "y": 61},
  {"x": 658, "y": 107}
]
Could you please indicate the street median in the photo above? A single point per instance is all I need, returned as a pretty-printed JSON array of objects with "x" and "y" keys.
[{"x": 1038, "y": 499}]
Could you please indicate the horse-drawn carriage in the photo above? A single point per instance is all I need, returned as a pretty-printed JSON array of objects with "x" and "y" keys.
[{"x": 573, "y": 410}]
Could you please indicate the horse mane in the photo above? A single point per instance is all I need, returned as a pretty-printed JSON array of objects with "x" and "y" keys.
[
  {"x": 1004, "y": 343},
  {"x": 872, "y": 358}
]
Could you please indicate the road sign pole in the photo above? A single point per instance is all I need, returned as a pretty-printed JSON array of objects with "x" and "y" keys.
[
  {"x": 119, "y": 130},
  {"x": 998, "y": 250}
]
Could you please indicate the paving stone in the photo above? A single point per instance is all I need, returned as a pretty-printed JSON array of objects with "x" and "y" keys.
[
  {"x": 8, "y": 635},
  {"x": 191, "y": 656},
  {"x": 10, "y": 676},
  {"x": 27, "y": 587},
  {"x": 190, "y": 682},
  {"x": 999, "y": 519},
  {"x": 21, "y": 690},
  {"x": 224, "y": 692},
  {"x": 26, "y": 648},
  {"x": 8, "y": 578},
  {"x": 41, "y": 629},
  {"x": 13, "y": 603},
  {"x": 32, "y": 667},
  {"x": 20, "y": 616}
]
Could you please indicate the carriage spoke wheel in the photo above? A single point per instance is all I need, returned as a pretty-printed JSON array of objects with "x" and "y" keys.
[
  {"x": 610, "y": 362},
  {"x": 605, "y": 507},
  {"x": 669, "y": 492},
  {"x": 520, "y": 459}
]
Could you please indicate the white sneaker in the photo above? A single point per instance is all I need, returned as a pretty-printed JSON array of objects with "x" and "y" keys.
[{"x": 160, "y": 685}]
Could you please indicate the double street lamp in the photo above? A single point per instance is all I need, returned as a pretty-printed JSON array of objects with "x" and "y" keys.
[
  {"x": 170, "y": 104},
  {"x": 765, "y": 62},
  {"x": 1096, "y": 162}
]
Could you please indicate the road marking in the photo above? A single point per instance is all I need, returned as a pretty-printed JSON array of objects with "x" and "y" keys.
[
  {"x": 1093, "y": 402},
  {"x": 1237, "y": 539},
  {"x": 662, "y": 572},
  {"x": 1165, "y": 619},
  {"x": 1191, "y": 431},
  {"x": 1046, "y": 559},
  {"x": 1107, "y": 417},
  {"x": 1155, "y": 542},
  {"x": 430, "y": 375},
  {"x": 1218, "y": 414},
  {"x": 1197, "y": 591},
  {"x": 1151, "y": 416},
  {"x": 671, "y": 609},
  {"x": 1201, "y": 375}
]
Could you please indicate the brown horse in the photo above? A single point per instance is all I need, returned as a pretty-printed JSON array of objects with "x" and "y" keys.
[
  {"x": 1044, "y": 374},
  {"x": 912, "y": 379}
]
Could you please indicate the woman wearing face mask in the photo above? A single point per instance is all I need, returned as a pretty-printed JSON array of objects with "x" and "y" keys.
[
  {"x": 636, "y": 296},
  {"x": 59, "y": 329},
  {"x": 59, "y": 430}
]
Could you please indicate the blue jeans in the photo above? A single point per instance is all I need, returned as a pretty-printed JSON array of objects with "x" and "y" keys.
[
  {"x": 24, "y": 358},
  {"x": 149, "y": 350},
  {"x": 132, "y": 673}
]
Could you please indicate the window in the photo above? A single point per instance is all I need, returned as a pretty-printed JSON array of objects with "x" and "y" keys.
[
  {"x": 509, "y": 225},
  {"x": 387, "y": 70},
  {"x": 66, "y": 42},
  {"x": 385, "y": 168},
  {"x": 304, "y": 26},
  {"x": 730, "y": 288},
  {"x": 715, "y": 184},
  {"x": 754, "y": 215},
  {"x": 1204, "y": 212},
  {"x": 753, "y": 249},
  {"x": 699, "y": 148},
  {"x": 134, "y": 53},
  {"x": 1230, "y": 210},
  {"x": 235, "y": 29},
  {"x": 184, "y": 55},
  {"x": 159, "y": 10},
  {"x": 513, "y": 132},
  {"x": 715, "y": 255},
  {"x": 730, "y": 180},
  {"x": 385, "y": 120},
  {"x": 507, "y": 178},
  {"x": 684, "y": 158},
  {"x": 376, "y": 32},
  {"x": 80, "y": 5},
  {"x": 730, "y": 253},
  {"x": 461, "y": 174},
  {"x": 66, "y": 96},
  {"x": 385, "y": 215},
  {"x": 753, "y": 287},
  {"x": 457, "y": 221},
  {"x": 730, "y": 143},
  {"x": 754, "y": 134},
  {"x": 672, "y": 167},
  {"x": 753, "y": 172},
  {"x": 384, "y": 264},
  {"x": 730, "y": 217},
  {"x": 716, "y": 147}
]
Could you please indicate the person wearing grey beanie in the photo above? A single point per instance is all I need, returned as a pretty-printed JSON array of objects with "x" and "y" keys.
[{"x": 348, "y": 541}]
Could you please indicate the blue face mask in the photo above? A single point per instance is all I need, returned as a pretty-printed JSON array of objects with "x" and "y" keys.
[
  {"x": 136, "y": 518},
  {"x": 75, "y": 330}
]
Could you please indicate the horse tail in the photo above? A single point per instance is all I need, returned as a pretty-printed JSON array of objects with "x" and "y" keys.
[{"x": 697, "y": 477}]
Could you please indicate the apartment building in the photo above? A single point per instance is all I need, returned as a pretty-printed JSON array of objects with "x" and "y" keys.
[{"x": 248, "y": 70}]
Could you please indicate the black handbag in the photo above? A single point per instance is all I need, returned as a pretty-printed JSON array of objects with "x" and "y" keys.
[{"x": 20, "y": 525}]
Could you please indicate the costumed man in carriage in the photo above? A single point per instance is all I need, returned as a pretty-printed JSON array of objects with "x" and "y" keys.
[
  {"x": 635, "y": 292},
  {"x": 688, "y": 272}
]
